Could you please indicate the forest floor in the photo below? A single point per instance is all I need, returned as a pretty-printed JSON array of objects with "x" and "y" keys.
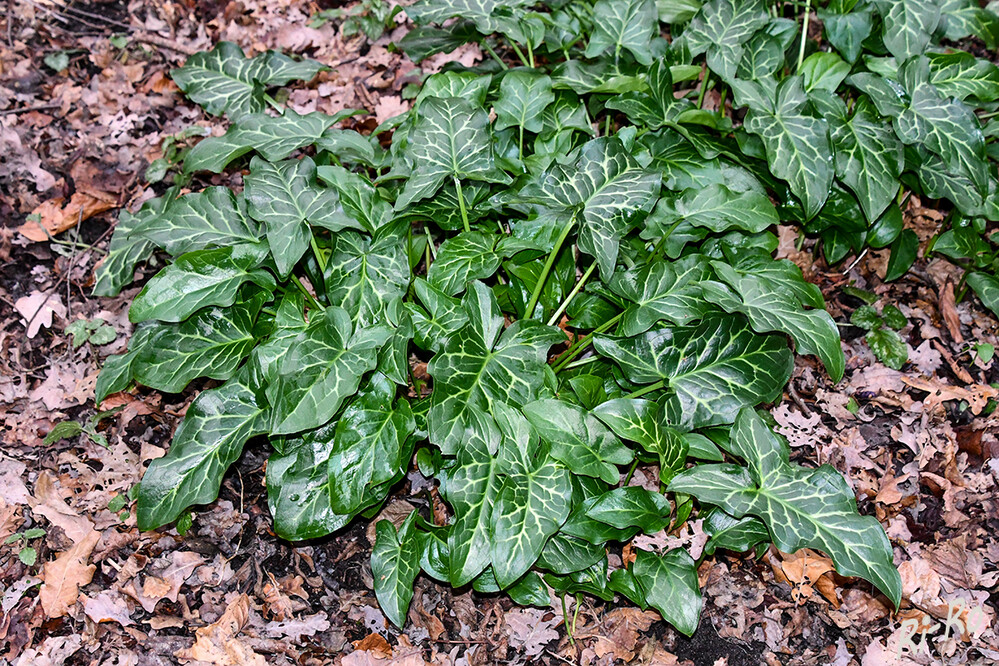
[{"x": 916, "y": 444}]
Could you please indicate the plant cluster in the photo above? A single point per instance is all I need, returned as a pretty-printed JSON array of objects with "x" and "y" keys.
[{"x": 580, "y": 248}]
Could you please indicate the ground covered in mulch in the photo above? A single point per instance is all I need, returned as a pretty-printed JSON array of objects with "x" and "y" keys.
[{"x": 920, "y": 445}]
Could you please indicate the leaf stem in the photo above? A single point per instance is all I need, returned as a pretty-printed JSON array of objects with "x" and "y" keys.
[
  {"x": 536, "y": 294},
  {"x": 308, "y": 295},
  {"x": 520, "y": 54},
  {"x": 647, "y": 389},
  {"x": 320, "y": 259},
  {"x": 804, "y": 34},
  {"x": 491, "y": 52},
  {"x": 572, "y": 294},
  {"x": 461, "y": 203},
  {"x": 705, "y": 86},
  {"x": 577, "y": 347}
]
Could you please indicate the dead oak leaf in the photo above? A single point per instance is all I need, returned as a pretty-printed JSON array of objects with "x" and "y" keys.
[
  {"x": 108, "y": 606},
  {"x": 530, "y": 631},
  {"x": 64, "y": 576},
  {"x": 976, "y": 395},
  {"x": 219, "y": 644},
  {"x": 37, "y": 309},
  {"x": 617, "y": 634},
  {"x": 54, "y": 218}
]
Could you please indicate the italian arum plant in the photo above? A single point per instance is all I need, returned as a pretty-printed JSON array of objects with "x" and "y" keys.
[{"x": 577, "y": 239}]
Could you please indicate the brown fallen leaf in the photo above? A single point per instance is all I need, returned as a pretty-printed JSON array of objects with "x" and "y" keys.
[
  {"x": 48, "y": 502},
  {"x": 218, "y": 643},
  {"x": 108, "y": 606},
  {"x": 55, "y": 218},
  {"x": 64, "y": 576},
  {"x": 977, "y": 395},
  {"x": 803, "y": 570},
  {"x": 948, "y": 309},
  {"x": 617, "y": 633}
]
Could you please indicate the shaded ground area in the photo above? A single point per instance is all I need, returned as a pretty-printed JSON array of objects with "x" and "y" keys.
[{"x": 919, "y": 445}]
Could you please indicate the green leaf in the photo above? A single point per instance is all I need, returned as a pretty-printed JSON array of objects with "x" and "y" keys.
[
  {"x": 523, "y": 97},
  {"x": 847, "y": 31},
  {"x": 764, "y": 53},
  {"x": 669, "y": 583},
  {"x": 722, "y": 28},
  {"x": 480, "y": 368},
  {"x": 565, "y": 554},
  {"x": 866, "y": 317},
  {"x": 285, "y": 197},
  {"x": 623, "y": 24},
  {"x": 197, "y": 280},
  {"x": 358, "y": 197},
  {"x": 470, "y": 487},
  {"x": 869, "y": 158},
  {"x": 273, "y": 137},
  {"x": 61, "y": 431},
  {"x": 658, "y": 106},
  {"x": 298, "y": 488},
  {"x": 888, "y": 347},
  {"x": 798, "y": 148},
  {"x": 369, "y": 444},
  {"x": 211, "y": 343},
  {"x": 823, "y": 71},
  {"x": 770, "y": 308},
  {"x": 395, "y": 561},
  {"x": 211, "y": 438},
  {"x": 735, "y": 534},
  {"x": 450, "y": 139},
  {"x": 605, "y": 187},
  {"x": 718, "y": 208},
  {"x": 903, "y": 255},
  {"x": 531, "y": 505},
  {"x": 126, "y": 250},
  {"x": 472, "y": 86},
  {"x": 578, "y": 440},
  {"x": 323, "y": 367},
  {"x": 479, "y": 11},
  {"x": 949, "y": 129},
  {"x": 986, "y": 287},
  {"x": 442, "y": 317},
  {"x": 644, "y": 422},
  {"x": 27, "y": 556},
  {"x": 632, "y": 506},
  {"x": 714, "y": 369},
  {"x": 224, "y": 80},
  {"x": 962, "y": 75},
  {"x": 908, "y": 26},
  {"x": 365, "y": 275},
  {"x": 467, "y": 256},
  {"x": 214, "y": 217},
  {"x": 802, "y": 508}
]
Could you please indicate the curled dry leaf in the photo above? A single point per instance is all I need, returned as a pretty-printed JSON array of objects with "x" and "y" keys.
[{"x": 54, "y": 218}]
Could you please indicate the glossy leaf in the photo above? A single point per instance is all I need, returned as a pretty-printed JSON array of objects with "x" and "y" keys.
[
  {"x": 395, "y": 561},
  {"x": 449, "y": 140},
  {"x": 713, "y": 369},
  {"x": 803, "y": 508},
  {"x": 798, "y": 147},
  {"x": 224, "y": 80},
  {"x": 578, "y": 440},
  {"x": 366, "y": 275},
  {"x": 199, "y": 279},
  {"x": 480, "y": 367},
  {"x": 604, "y": 189},
  {"x": 211, "y": 437}
]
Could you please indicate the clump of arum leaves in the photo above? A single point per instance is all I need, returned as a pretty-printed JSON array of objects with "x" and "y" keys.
[{"x": 582, "y": 252}]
